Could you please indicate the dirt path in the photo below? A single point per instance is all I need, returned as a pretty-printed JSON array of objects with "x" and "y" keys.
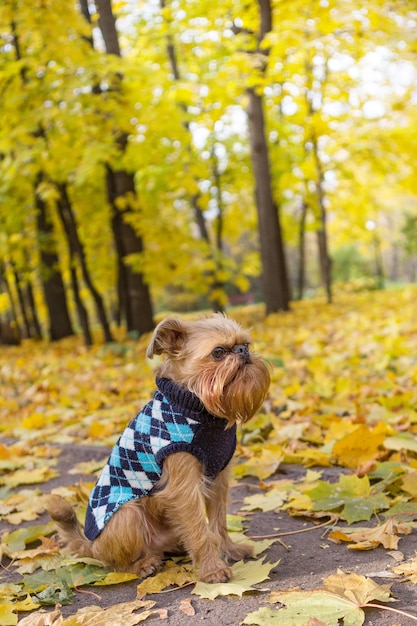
[{"x": 305, "y": 559}]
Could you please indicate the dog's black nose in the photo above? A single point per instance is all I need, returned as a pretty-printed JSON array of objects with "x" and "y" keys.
[{"x": 242, "y": 349}]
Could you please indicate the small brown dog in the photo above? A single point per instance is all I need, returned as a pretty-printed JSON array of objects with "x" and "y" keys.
[{"x": 164, "y": 488}]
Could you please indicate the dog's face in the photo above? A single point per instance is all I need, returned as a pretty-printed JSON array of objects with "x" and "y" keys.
[{"x": 211, "y": 358}]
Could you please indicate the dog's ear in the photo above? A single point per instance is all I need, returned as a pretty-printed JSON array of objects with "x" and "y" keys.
[{"x": 168, "y": 336}]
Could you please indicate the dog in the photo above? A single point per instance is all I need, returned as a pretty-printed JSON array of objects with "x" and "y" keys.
[{"x": 164, "y": 488}]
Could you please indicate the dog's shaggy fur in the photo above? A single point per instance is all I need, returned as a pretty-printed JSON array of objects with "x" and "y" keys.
[{"x": 187, "y": 511}]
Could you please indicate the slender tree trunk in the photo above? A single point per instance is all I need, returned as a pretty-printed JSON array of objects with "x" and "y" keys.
[
  {"x": 275, "y": 279},
  {"x": 10, "y": 333},
  {"x": 22, "y": 303},
  {"x": 324, "y": 258},
  {"x": 77, "y": 248},
  {"x": 322, "y": 245},
  {"x": 301, "y": 251},
  {"x": 219, "y": 284},
  {"x": 52, "y": 283},
  {"x": 81, "y": 310},
  {"x": 34, "y": 320}
]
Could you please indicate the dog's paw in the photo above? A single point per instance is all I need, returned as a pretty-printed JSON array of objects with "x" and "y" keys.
[
  {"x": 236, "y": 551},
  {"x": 146, "y": 567},
  {"x": 221, "y": 574}
]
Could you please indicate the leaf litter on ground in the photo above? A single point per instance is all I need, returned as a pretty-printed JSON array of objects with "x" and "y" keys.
[{"x": 343, "y": 394}]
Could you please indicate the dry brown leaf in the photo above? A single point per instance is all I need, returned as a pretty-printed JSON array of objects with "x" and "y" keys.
[
  {"x": 122, "y": 614},
  {"x": 369, "y": 538},
  {"x": 43, "y": 618},
  {"x": 186, "y": 607}
]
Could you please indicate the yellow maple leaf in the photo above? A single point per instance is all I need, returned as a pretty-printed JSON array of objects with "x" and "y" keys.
[
  {"x": 263, "y": 464},
  {"x": 359, "y": 446},
  {"x": 29, "y": 477},
  {"x": 171, "y": 575}
]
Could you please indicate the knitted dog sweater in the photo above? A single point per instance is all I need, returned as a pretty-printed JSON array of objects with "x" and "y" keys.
[{"x": 174, "y": 421}]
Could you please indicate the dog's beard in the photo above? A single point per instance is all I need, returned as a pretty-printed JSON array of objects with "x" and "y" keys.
[{"x": 232, "y": 389}]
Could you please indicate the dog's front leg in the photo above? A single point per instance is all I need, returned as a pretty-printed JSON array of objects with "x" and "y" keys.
[
  {"x": 216, "y": 511},
  {"x": 184, "y": 504}
]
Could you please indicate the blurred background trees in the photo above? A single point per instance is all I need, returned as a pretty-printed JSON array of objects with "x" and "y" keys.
[{"x": 172, "y": 154}]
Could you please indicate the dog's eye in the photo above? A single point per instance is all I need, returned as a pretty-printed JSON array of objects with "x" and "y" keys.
[{"x": 219, "y": 353}]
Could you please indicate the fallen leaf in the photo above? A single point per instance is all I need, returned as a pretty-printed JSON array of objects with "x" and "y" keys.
[
  {"x": 42, "y": 618},
  {"x": 263, "y": 464},
  {"x": 245, "y": 575},
  {"x": 301, "y": 606},
  {"x": 88, "y": 467},
  {"x": 186, "y": 607},
  {"x": 369, "y": 538},
  {"x": 266, "y": 501},
  {"x": 171, "y": 575},
  {"x": 357, "y": 588},
  {"x": 352, "y": 495},
  {"x": 122, "y": 614},
  {"x": 408, "y": 569},
  {"x": 360, "y": 446},
  {"x": 115, "y": 578},
  {"x": 18, "y": 539},
  {"x": 29, "y": 477}
]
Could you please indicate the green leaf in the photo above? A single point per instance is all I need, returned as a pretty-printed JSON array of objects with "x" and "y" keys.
[
  {"x": 235, "y": 523},
  {"x": 352, "y": 495},
  {"x": 73, "y": 575},
  {"x": 402, "y": 441},
  {"x": 402, "y": 511},
  {"x": 58, "y": 593},
  {"x": 303, "y": 605},
  {"x": 18, "y": 539}
]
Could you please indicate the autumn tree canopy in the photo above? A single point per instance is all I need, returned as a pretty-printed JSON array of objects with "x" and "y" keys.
[{"x": 171, "y": 154}]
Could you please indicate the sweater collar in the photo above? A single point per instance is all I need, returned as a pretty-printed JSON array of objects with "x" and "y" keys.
[{"x": 188, "y": 401}]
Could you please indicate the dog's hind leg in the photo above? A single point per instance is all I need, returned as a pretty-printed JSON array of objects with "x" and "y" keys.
[
  {"x": 183, "y": 500},
  {"x": 127, "y": 542},
  {"x": 216, "y": 502}
]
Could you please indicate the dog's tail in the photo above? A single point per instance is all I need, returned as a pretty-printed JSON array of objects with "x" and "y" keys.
[{"x": 70, "y": 529}]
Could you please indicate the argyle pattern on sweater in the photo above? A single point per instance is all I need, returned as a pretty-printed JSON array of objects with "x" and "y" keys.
[{"x": 174, "y": 421}]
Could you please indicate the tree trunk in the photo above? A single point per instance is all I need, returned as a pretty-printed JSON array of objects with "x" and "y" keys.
[
  {"x": 76, "y": 248},
  {"x": 81, "y": 310},
  {"x": 52, "y": 283},
  {"x": 34, "y": 320},
  {"x": 275, "y": 279},
  {"x": 134, "y": 294},
  {"x": 322, "y": 245},
  {"x": 324, "y": 258},
  {"x": 301, "y": 251},
  {"x": 9, "y": 327},
  {"x": 274, "y": 275},
  {"x": 22, "y": 303},
  {"x": 135, "y": 300}
]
